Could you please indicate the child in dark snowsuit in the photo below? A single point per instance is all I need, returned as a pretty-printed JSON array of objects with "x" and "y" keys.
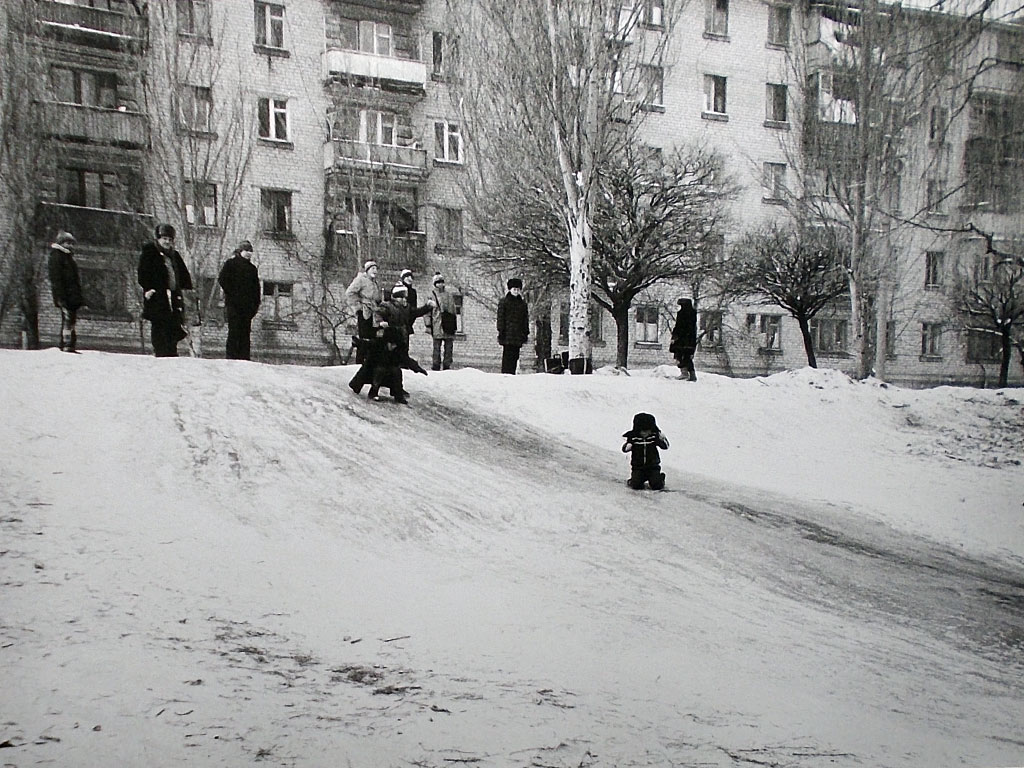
[{"x": 643, "y": 441}]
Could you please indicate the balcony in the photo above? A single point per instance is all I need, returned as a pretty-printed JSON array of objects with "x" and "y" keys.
[
  {"x": 403, "y": 162},
  {"x": 95, "y": 125},
  {"x": 347, "y": 252},
  {"x": 93, "y": 226},
  {"x": 402, "y": 6},
  {"x": 92, "y": 26},
  {"x": 393, "y": 72}
]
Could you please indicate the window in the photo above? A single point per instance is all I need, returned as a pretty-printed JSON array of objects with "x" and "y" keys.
[
  {"x": 447, "y": 142},
  {"x": 103, "y": 291},
  {"x": 934, "y": 261},
  {"x": 936, "y": 193},
  {"x": 90, "y": 89},
  {"x": 596, "y": 323},
  {"x": 646, "y": 324},
  {"x": 711, "y": 330},
  {"x": 437, "y": 68},
  {"x": 828, "y": 335},
  {"x": 931, "y": 340},
  {"x": 768, "y": 330},
  {"x": 653, "y": 79},
  {"x": 654, "y": 13},
  {"x": 459, "y": 304},
  {"x": 983, "y": 346},
  {"x": 779, "y": 17},
  {"x": 277, "y": 301},
  {"x": 449, "y": 227},
  {"x": 194, "y": 17},
  {"x": 367, "y": 37},
  {"x": 775, "y": 181},
  {"x": 201, "y": 203},
  {"x": 270, "y": 25},
  {"x": 276, "y": 211},
  {"x": 273, "y": 119},
  {"x": 1010, "y": 46},
  {"x": 892, "y": 191},
  {"x": 714, "y": 94},
  {"x": 716, "y": 17},
  {"x": 776, "y": 103},
  {"x": 196, "y": 108},
  {"x": 937, "y": 123},
  {"x": 982, "y": 271},
  {"x": 90, "y": 189}
]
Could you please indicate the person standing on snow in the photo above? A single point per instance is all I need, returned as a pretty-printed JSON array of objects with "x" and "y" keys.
[
  {"x": 643, "y": 442},
  {"x": 415, "y": 310},
  {"x": 684, "y": 339},
  {"x": 363, "y": 295},
  {"x": 66, "y": 287},
  {"x": 240, "y": 280},
  {"x": 442, "y": 324},
  {"x": 513, "y": 325},
  {"x": 164, "y": 277}
]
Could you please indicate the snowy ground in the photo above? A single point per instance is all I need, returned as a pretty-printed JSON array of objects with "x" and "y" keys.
[{"x": 222, "y": 563}]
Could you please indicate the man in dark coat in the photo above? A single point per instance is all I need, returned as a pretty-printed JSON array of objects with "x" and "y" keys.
[
  {"x": 163, "y": 277},
  {"x": 240, "y": 280},
  {"x": 66, "y": 287},
  {"x": 684, "y": 339},
  {"x": 513, "y": 325},
  {"x": 415, "y": 310}
]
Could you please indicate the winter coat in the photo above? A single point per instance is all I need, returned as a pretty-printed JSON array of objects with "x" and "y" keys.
[
  {"x": 644, "y": 445},
  {"x": 397, "y": 318},
  {"x": 443, "y": 301},
  {"x": 64, "y": 280},
  {"x": 415, "y": 310},
  {"x": 153, "y": 276},
  {"x": 684, "y": 333},
  {"x": 363, "y": 294},
  {"x": 240, "y": 280},
  {"x": 513, "y": 321}
]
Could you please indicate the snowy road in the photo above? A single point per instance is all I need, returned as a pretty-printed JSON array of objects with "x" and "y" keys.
[{"x": 293, "y": 576}]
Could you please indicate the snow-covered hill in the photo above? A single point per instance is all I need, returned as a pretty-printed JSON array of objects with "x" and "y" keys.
[{"x": 217, "y": 563}]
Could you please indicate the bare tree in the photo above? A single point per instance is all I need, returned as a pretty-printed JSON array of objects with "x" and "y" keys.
[
  {"x": 556, "y": 84},
  {"x": 657, "y": 220},
  {"x": 800, "y": 269},
  {"x": 203, "y": 133},
  {"x": 880, "y": 86},
  {"x": 988, "y": 297},
  {"x": 25, "y": 157}
]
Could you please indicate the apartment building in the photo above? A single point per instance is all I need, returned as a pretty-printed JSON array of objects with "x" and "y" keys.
[{"x": 322, "y": 131}]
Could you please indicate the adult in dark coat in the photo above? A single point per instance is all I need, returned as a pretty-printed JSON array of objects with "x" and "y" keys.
[
  {"x": 240, "y": 280},
  {"x": 66, "y": 287},
  {"x": 163, "y": 277},
  {"x": 513, "y": 324},
  {"x": 684, "y": 339}
]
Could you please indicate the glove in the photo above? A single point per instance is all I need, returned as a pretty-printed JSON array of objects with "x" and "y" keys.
[{"x": 501, "y": 340}]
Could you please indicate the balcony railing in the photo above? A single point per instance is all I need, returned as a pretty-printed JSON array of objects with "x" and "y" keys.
[
  {"x": 107, "y": 29},
  {"x": 93, "y": 226},
  {"x": 356, "y": 64},
  {"x": 393, "y": 253},
  {"x": 95, "y": 124},
  {"x": 408, "y": 161}
]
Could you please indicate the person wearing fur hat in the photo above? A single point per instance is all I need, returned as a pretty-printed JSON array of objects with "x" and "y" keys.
[
  {"x": 164, "y": 278},
  {"x": 643, "y": 442},
  {"x": 442, "y": 323},
  {"x": 513, "y": 325},
  {"x": 240, "y": 280},
  {"x": 363, "y": 296},
  {"x": 684, "y": 339},
  {"x": 66, "y": 287}
]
